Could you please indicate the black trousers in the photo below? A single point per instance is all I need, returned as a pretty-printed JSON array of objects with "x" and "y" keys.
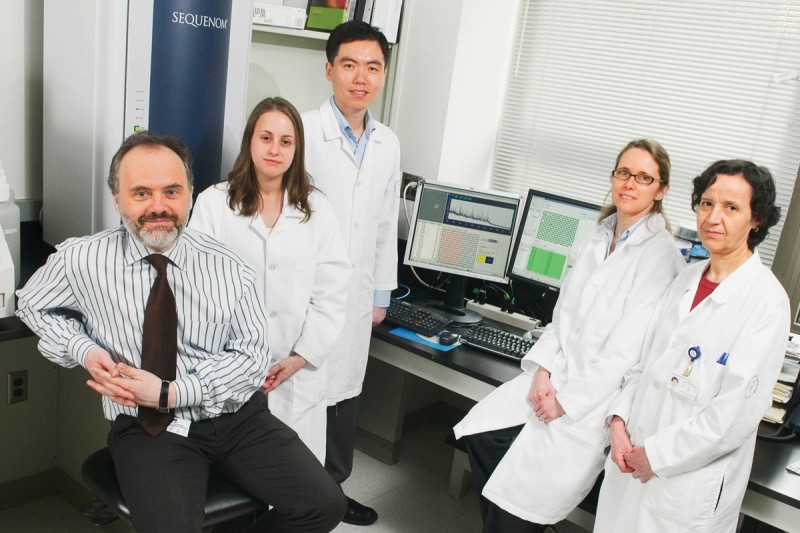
[
  {"x": 341, "y": 438},
  {"x": 485, "y": 451},
  {"x": 164, "y": 478}
]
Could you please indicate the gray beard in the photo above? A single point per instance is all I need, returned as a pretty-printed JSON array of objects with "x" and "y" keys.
[{"x": 158, "y": 239}]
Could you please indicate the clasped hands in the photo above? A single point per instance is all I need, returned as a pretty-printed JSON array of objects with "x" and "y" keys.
[
  {"x": 543, "y": 397},
  {"x": 629, "y": 459},
  {"x": 121, "y": 383}
]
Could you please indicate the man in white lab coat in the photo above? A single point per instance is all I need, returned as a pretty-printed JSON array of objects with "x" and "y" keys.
[{"x": 355, "y": 161}]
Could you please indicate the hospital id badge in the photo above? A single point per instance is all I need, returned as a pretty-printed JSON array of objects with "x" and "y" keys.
[
  {"x": 179, "y": 426},
  {"x": 683, "y": 385}
]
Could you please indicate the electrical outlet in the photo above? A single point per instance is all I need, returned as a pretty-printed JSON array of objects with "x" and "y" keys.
[
  {"x": 17, "y": 386},
  {"x": 411, "y": 194}
]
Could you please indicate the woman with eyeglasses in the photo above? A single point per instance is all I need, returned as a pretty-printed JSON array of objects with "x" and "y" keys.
[
  {"x": 537, "y": 444},
  {"x": 684, "y": 426}
]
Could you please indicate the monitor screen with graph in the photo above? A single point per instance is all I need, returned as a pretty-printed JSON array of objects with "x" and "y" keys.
[
  {"x": 552, "y": 234},
  {"x": 463, "y": 231}
]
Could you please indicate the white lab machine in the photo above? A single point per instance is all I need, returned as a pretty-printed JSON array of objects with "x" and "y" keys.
[
  {"x": 6, "y": 279},
  {"x": 113, "y": 67}
]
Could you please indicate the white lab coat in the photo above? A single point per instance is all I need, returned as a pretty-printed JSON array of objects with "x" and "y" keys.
[
  {"x": 303, "y": 271},
  {"x": 595, "y": 337},
  {"x": 366, "y": 202},
  {"x": 700, "y": 449}
]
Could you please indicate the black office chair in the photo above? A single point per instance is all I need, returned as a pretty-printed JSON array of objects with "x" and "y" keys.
[{"x": 224, "y": 501}]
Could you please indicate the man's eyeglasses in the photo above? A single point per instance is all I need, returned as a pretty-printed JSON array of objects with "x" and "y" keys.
[{"x": 623, "y": 175}]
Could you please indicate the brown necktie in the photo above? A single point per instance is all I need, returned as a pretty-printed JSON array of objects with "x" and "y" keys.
[{"x": 159, "y": 341}]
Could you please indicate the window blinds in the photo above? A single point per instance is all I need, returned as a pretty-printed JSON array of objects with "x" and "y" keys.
[{"x": 708, "y": 79}]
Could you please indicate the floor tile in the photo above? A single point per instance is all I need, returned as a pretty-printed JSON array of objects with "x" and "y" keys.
[{"x": 410, "y": 496}]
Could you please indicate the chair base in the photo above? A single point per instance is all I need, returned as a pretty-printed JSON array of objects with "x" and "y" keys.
[{"x": 224, "y": 501}]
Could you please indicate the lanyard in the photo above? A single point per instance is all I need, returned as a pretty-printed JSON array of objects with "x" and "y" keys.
[{"x": 694, "y": 354}]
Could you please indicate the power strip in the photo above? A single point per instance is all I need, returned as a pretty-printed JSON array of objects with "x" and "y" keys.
[{"x": 494, "y": 313}]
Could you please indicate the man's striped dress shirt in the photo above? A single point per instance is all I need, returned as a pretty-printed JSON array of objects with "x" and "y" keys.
[{"x": 92, "y": 292}]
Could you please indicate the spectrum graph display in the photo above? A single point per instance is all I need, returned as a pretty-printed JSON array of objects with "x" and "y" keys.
[{"x": 463, "y": 231}]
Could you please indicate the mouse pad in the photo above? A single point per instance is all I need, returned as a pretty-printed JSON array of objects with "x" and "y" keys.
[{"x": 426, "y": 341}]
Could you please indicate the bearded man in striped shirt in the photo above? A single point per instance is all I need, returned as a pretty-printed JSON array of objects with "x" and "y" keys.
[{"x": 87, "y": 305}]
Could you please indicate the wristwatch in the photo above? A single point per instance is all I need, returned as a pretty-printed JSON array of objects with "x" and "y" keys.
[{"x": 163, "y": 398}]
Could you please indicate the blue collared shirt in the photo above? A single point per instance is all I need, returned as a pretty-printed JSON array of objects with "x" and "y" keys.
[
  {"x": 610, "y": 224},
  {"x": 359, "y": 146}
]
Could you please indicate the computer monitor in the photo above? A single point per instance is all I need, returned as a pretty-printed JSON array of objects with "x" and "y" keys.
[
  {"x": 552, "y": 233},
  {"x": 465, "y": 232}
]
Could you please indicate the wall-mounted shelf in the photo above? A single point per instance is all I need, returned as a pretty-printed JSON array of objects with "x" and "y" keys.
[{"x": 306, "y": 34}]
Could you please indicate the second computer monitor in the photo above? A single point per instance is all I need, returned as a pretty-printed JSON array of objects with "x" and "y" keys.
[{"x": 551, "y": 235}]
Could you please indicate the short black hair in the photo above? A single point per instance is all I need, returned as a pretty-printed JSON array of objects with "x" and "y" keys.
[
  {"x": 355, "y": 30},
  {"x": 151, "y": 139},
  {"x": 762, "y": 199}
]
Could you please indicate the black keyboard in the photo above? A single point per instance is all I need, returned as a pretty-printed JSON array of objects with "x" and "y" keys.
[
  {"x": 497, "y": 341},
  {"x": 415, "y": 318}
]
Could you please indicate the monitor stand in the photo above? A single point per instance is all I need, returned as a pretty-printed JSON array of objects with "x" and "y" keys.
[{"x": 453, "y": 305}]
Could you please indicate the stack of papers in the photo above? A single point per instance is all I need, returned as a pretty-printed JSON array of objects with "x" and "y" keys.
[
  {"x": 774, "y": 415},
  {"x": 790, "y": 370},
  {"x": 782, "y": 392},
  {"x": 270, "y": 14}
]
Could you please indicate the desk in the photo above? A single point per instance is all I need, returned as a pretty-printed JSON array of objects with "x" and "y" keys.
[{"x": 773, "y": 494}]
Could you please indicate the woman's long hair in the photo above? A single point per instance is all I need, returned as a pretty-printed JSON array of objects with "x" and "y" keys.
[{"x": 244, "y": 197}]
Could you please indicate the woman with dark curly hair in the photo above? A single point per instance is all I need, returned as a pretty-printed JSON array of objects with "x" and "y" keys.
[{"x": 684, "y": 427}]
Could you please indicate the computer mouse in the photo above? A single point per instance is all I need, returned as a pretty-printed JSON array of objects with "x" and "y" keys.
[{"x": 446, "y": 338}]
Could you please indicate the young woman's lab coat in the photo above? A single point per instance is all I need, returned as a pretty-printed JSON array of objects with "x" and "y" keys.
[
  {"x": 366, "y": 202},
  {"x": 594, "y": 339},
  {"x": 303, "y": 271},
  {"x": 699, "y": 437}
]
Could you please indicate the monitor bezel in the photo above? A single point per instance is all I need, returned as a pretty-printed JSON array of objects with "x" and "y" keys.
[
  {"x": 520, "y": 198},
  {"x": 515, "y": 248}
]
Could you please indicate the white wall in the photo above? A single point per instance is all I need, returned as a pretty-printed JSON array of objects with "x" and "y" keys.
[
  {"x": 20, "y": 95},
  {"x": 30, "y": 428},
  {"x": 452, "y": 69},
  {"x": 477, "y": 91},
  {"x": 291, "y": 67},
  {"x": 452, "y": 65}
]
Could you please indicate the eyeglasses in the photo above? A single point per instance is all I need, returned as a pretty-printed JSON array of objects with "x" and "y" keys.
[{"x": 623, "y": 175}]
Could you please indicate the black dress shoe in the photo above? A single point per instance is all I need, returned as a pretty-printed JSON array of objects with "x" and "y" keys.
[{"x": 359, "y": 515}]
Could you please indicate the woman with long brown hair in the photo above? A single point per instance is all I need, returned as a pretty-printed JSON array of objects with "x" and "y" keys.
[{"x": 269, "y": 213}]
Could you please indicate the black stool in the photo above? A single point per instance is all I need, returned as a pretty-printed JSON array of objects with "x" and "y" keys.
[{"x": 224, "y": 501}]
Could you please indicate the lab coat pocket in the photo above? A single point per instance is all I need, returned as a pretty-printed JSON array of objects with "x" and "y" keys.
[
  {"x": 688, "y": 500},
  {"x": 207, "y": 337},
  {"x": 308, "y": 388},
  {"x": 362, "y": 288},
  {"x": 709, "y": 376},
  {"x": 581, "y": 430}
]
